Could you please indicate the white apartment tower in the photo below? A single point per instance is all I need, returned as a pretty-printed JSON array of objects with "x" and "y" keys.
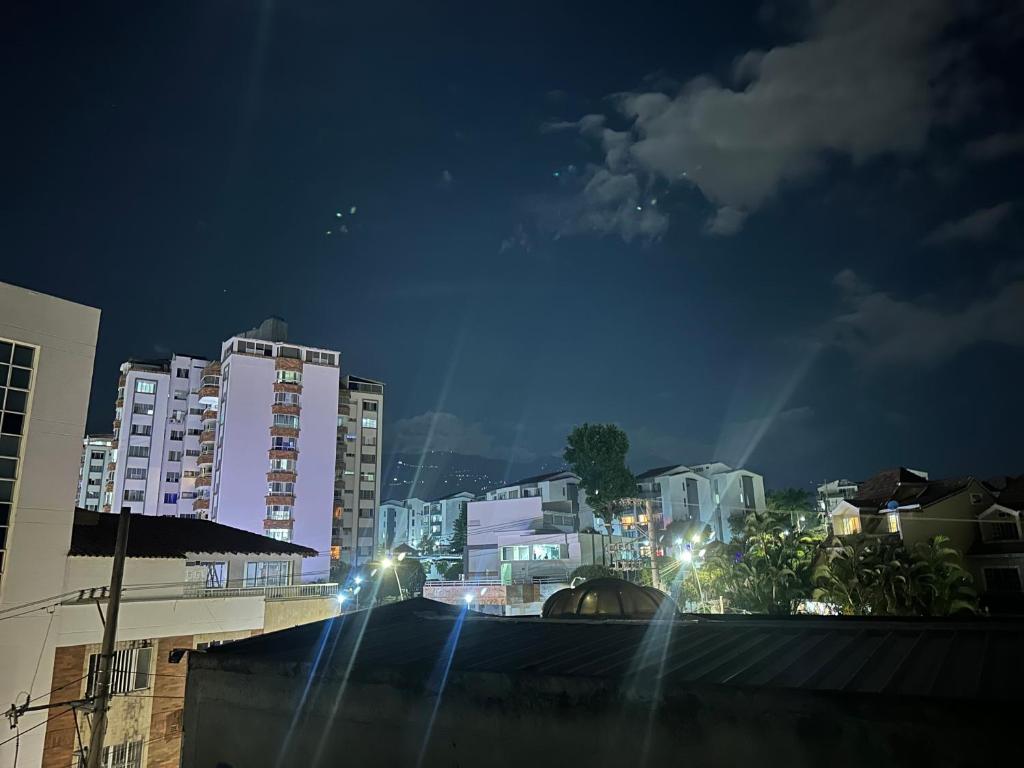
[
  {"x": 273, "y": 456},
  {"x": 97, "y": 453},
  {"x": 357, "y": 470},
  {"x": 158, "y": 423}
]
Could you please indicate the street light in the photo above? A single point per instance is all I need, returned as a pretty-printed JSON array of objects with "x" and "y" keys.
[
  {"x": 341, "y": 598},
  {"x": 468, "y": 597}
]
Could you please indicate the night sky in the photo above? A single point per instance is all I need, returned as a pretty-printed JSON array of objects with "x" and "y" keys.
[{"x": 780, "y": 234}]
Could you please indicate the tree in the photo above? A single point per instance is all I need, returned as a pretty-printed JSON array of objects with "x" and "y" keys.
[
  {"x": 768, "y": 567},
  {"x": 426, "y": 544},
  {"x": 410, "y": 572},
  {"x": 453, "y": 571},
  {"x": 796, "y": 502},
  {"x": 597, "y": 453},
  {"x": 882, "y": 577},
  {"x": 458, "y": 542},
  {"x": 596, "y": 571}
]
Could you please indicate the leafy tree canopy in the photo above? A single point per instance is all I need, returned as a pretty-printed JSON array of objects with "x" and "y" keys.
[{"x": 597, "y": 453}]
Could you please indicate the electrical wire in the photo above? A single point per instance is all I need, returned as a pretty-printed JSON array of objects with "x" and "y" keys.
[{"x": 27, "y": 730}]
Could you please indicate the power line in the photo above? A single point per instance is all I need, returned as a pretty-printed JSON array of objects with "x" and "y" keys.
[{"x": 27, "y": 730}]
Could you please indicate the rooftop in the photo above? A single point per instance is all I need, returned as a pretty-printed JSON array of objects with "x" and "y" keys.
[
  {"x": 537, "y": 479},
  {"x": 906, "y": 487},
  {"x": 95, "y": 533},
  {"x": 950, "y": 659}
]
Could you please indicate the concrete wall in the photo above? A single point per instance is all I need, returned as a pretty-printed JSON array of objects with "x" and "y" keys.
[
  {"x": 243, "y": 718},
  {"x": 40, "y": 531},
  {"x": 486, "y": 521},
  {"x": 282, "y": 614}
]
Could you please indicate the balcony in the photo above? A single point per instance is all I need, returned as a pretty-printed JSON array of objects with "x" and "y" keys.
[
  {"x": 284, "y": 431},
  {"x": 280, "y": 498},
  {"x": 208, "y": 394},
  {"x": 290, "y": 410},
  {"x": 289, "y": 592},
  {"x": 204, "y": 481},
  {"x": 207, "y": 436},
  {"x": 270, "y": 522},
  {"x": 111, "y": 466},
  {"x": 210, "y": 414},
  {"x": 281, "y": 476},
  {"x": 283, "y": 453},
  {"x": 200, "y": 504},
  {"x": 205, "y": 457},
  {"x": 287, "y": 386}
]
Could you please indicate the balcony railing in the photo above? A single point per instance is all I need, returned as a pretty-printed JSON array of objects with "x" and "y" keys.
[{"x": 270, "y": 593}]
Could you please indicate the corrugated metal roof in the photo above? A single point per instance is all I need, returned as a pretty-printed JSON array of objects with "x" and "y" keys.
[{"x": 952, "y": 659}]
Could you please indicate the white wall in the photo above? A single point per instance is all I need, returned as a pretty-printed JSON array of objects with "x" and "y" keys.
[
  {"x": 488, "y": 521},
  {"x": 40, "y": 533}
]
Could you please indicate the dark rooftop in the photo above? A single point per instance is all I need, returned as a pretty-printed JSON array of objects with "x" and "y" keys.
[
  {"x": 906, "y": 487},
  {"x": 536, "y": 478},
  {"x": 951, "y": 659},
  {"x": 656, "y": 471},
  {"x": 1012, "y": 495},
  {"x": 94, "y": 535}
]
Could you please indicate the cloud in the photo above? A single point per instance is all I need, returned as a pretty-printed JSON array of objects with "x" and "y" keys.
[
  {"x": 880, "y": 330},
  {"x": 518, "y": 239},
  {"x": 446, "y": 179},
  {"x": 440, "y": 431},
  {"x": 980, "y": 225},
  {"x": 995, "y": 146},
  {"x": 871, "y": 79}
]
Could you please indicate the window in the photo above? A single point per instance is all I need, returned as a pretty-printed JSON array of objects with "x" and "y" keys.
[
  {"x": 170, "y": 498},
  {"x": 136, "y": 473},
  {"x": 276, "y": 488},
  {"x": 286, "y": 398},
  {"x": 192, "y": 452},
  {"x": 368, "y": 458},
  {"x": 289, "y": 377},
  {"x": 181, "y": 394},
  {"x": 977, "y": 498},
  {"x": 174, "y": 455},
  {"x": 369, "y": 423},
  {"x": 177, "y": 435},
  {"x": 282, "y": 444},
  {"x": 892, "y": 520},
  {"x": 194, "y": 431},
  {"x": 367, "y": 477},
  {"x": 282, "y": 465},
  {"x": 143, "y": 430},
  {"x": 272, "y": 573},
  {"x": 1004, "y": 579},
  {"x": 286, "y": 420},
  {"x": 138, "y": 451},
  {"x": 255, "y": 348},
  {"x": 515, "y": 553},
  {"x": 216, "y": 572},
  {"x": 129, "y": 670},
  {"x": 177, "y": 416},
  {"x": 142, "y": 409},
  {"x": 546, "y": 552},
  {"x": 369, "y": 405},
  {"x": 366, "y": 495},
  {"x": 181, "y": 373},
  {"x": 279, "y": 511},
  {"x": 145, "y": 386},
  {"x": 130, "y": 495},
  {"x": 127, "y": 755},
  {"x": 195, "y": 411},
  {"x": 846, "y": 525},
  {"x": 173, "y": 477},
  {"x": 319, "y": 358}
]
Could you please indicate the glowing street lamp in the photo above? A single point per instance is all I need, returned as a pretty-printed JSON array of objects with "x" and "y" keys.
[{"x": 468, "y": 597}]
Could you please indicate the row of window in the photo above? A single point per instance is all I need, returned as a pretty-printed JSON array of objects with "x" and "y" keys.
[{"x": 535, "y": 552}]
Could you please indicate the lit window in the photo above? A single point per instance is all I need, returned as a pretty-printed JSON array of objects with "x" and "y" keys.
[
  {"x": 893, "y": 522},
  {"x": 547, "y": 552},
  {"x": 145, "y": 386},
  {"x": 369, "y": 423}
]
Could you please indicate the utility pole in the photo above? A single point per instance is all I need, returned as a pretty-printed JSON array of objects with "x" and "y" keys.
[{"x": 102, "y": 688}]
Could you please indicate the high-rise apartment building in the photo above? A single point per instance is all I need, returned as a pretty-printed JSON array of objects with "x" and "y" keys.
[
  {"x": 47, "y": 347},
  {"x": 276, "y": 427},
  {"x": 97, "y": 453},
  {"x": 158, "y": 422},
  {"x": 360, "y": 415}
]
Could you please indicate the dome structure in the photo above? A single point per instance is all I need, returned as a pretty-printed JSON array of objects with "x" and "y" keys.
[{"x": 607, "y": 598}]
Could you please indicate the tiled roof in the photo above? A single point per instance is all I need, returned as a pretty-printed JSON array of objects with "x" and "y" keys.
[
  {"x": 1012, "y": 496},
  {"x": 94, "y": 535},
  {"x": 657, "y": 471},
  {"x": 950, "y": 659},
  {"x": 906, "y": 488}
]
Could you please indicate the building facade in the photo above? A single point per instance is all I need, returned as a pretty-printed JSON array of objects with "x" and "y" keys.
[
  {"x": 158, "y": 422},
  {"x": 97, "y": 453},
  {"x": 833, "y": 492},
  {"x": 360, "y": 427},
  {"x": 47, "y": 347},
  {"x": 996, "y": 559},
  {"x": 710, "y": 493},
  {"x": 188, "y": 584},
  {"x": 274, "y": 442}
]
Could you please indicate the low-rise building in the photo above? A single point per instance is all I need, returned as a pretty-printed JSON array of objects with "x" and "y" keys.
[
  {"x": 97, "y": 452},
  {"x": 901, "y": 502},
  {"x": 710, "y": 493},
  {"x": 399, "y": 522},
  {"x": 997, "y": 557},
  {"x": 188, "y": 584},
  {"x": 833, "y": 492}
]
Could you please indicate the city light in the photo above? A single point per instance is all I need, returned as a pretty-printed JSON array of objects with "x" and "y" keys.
[
  {"x": 696, "y": 538},
  {"x": 679, "y": 542},
  {"x": 387, "y": 562},
  {"x": 687, "y": 555},
  {"x": 468, "y": 598},
  {"x": 341, "y": 598},
  {"x": 359, "y": 579}
]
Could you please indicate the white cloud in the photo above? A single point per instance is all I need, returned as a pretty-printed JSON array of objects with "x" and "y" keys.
[
  {"x": 446, "y": 179},
  {"x": 440, "y": 431},
  {"x": 882, "y": 331},
  {"x": 980, "y": 225},
  {"x": 995, "y": 146},
  {"x": 870, "y": 79}
]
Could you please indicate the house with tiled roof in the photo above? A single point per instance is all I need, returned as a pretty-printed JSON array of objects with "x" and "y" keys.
[
  {"x": 903, "y": 503},
  {"x": 997, "y": 556}
]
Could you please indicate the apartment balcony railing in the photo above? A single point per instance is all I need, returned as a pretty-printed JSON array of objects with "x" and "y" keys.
[{"x": 290, "y": 591}]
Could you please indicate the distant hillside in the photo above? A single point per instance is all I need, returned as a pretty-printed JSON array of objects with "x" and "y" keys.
[{"x": 438, "y": 473}]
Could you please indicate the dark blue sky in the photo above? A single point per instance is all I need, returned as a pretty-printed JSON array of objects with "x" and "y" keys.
[{"x": 829, "y": 281}]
